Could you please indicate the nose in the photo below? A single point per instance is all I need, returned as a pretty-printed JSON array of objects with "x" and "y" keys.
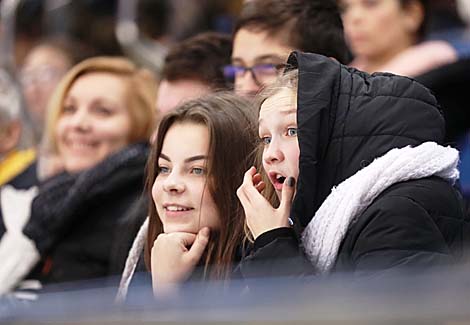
[
  {"x": 80, "y": 120},
  {"x": 273, "y": 153},
  {"x": 173, "y": 183},
  {"x": 245, "y": 85}
]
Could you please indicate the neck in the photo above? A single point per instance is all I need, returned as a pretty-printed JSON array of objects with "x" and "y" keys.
[{"x": 377, "y": 63}]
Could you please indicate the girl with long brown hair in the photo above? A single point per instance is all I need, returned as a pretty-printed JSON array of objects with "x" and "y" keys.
[{"x": 197, "y": 162}]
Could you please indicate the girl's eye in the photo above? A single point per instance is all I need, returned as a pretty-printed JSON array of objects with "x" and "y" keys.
[
  {"x": 163, "y": 170},
  {"x": 266, "y": 140},
  {"x": 198, "y": 171},
  {"x": 292, "y": 132}
]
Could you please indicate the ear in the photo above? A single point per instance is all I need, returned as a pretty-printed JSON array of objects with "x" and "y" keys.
[
  {"x": 413, "y": 15},
  {"x": 10, "y": 137}
]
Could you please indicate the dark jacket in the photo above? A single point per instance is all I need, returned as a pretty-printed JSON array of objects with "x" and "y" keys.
[
  {"x": 74, "y": 217},
  {"x": 346, "y": 118}
]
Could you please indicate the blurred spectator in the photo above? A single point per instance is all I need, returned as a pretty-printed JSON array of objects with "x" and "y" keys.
[
  {"x": 43, "y": 67},
  {"x": 193, "y": 68},
  {"x": 268, "y": 30},
  {"x": 387, "y": 36},
  {"x": 15, "y": 148},
  {"x": 100, "y": 119}
]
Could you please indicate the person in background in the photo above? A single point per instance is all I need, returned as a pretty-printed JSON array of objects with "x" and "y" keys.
[
  {"x": 388, "y": 36},
  {"x": 43, "y": 67},
  {"x": 99, "y": 121},
  {"x": 268, "y": 30},
  {"x": 360, "y": 156},
  {"x": 195, "y": 224},
  {"x": 16, "y": 152},
  {"x": 193, "y": 68}
]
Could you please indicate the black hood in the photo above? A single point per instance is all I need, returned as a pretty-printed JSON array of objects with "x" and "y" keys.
[{"x": 347, "y": 118}]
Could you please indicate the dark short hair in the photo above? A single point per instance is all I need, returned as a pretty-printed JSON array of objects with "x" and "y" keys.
[
  {"x": 311, "y": 25},
  {"x": 201, "y": 58}
]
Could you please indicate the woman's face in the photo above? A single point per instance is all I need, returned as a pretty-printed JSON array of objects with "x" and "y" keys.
[
  {"x": 375, "y": 28},
  {"x": 278, "y": 132},
  {"x": 181, "y": 191},
  {"x": 94, "y": 121}
]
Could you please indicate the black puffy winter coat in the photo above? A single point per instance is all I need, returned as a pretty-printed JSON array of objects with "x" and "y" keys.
[{"x": 347, "y": 118}]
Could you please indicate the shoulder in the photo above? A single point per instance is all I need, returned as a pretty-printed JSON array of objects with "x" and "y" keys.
[{"x": 414, "y": 223}]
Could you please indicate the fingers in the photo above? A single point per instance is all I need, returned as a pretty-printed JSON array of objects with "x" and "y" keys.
[
  {"x": 185, "y": 238},
  {"x": 200, "y": 243},
  {"x": 260, "y": 186},
  {"x": 258, "y": 183},
  {"x": 288, "y": 190}
]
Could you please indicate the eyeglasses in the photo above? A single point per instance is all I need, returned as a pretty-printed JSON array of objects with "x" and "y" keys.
[{"x": 261, "y": 73}]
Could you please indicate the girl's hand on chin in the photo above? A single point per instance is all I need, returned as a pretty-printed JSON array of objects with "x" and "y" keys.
[
  {"x": 260, "y": 215},
  {"x": 174, "y": 257}
]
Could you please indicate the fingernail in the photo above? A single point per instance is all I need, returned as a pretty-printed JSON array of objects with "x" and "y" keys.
[{"x": 291, "y": 181}]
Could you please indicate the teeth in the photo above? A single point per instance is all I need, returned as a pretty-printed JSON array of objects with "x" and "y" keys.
[
  {"x": 80, "y": 145},
  {"x": 280, "y": 178},
  {"x": 175, "y": 208}
]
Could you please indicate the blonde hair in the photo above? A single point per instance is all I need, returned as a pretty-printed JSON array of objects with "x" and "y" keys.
[{"x": 141, "y": 95}]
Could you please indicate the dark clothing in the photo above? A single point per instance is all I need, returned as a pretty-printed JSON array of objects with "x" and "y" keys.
[
  {"x": 128, "y": 227},
  {"x": 74, "y": 217},
  {"x": 27, "y": 178},
  {"x": 347, "y": 118}
]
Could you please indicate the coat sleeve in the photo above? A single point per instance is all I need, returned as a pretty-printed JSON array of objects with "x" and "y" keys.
[
  {"x": 397, "y": 235},
  {"x": 276, "y": 253}
]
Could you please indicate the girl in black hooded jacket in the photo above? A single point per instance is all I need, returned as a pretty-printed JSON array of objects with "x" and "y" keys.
[{"x": 360, "y": 159}]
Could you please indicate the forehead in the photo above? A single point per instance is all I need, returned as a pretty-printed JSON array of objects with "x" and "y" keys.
[
  {"x": 99, "y": 84},
  {"x": 250, "y": 46},
  {"x": 281, "y": 102},
  {"x": 186, "y": 139}
]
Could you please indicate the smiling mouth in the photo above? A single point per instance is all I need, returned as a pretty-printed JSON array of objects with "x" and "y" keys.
[{"x": 176, "y": 208}]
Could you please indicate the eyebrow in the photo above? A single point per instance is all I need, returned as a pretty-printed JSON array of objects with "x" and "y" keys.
[
  {"x": 285, "y": 112},
  {"x": 187, "y": 160}
]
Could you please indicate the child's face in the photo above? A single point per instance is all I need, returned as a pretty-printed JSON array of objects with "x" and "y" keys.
[
  {"x": 181, "y": 191},
  {"x": 278, "y": 131}
]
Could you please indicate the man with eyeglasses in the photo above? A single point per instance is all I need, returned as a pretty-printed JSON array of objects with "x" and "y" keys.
[{"x": 268, "y": 30}]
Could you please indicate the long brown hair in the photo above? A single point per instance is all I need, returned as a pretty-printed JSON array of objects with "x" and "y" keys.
[{"x": 232, "y": 126}]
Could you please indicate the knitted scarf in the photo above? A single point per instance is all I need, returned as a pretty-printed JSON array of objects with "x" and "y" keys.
[{"x": 346, "y": 202}]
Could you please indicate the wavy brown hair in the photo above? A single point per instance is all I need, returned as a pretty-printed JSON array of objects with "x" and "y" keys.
[{"x": 232, "y": 126}]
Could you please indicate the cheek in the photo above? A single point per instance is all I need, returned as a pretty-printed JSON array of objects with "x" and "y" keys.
[
  {"x": 116, "y": 132},
  {"x": 60, "y": 129},
  {"x": 293, "y": 154},
  {"x": 209, "y": 211},
  {"x": 156, "y": 191}
]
